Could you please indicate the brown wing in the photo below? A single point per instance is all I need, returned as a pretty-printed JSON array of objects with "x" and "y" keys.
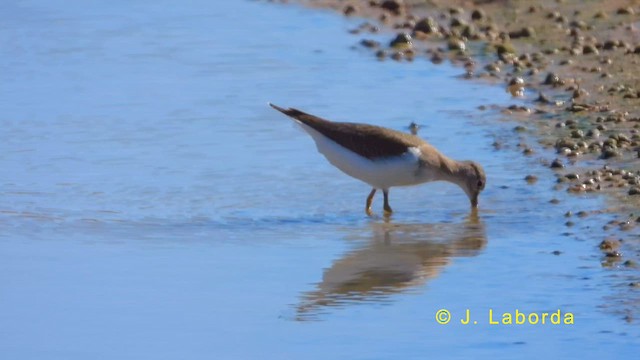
[{"x": 369, "y": 141}]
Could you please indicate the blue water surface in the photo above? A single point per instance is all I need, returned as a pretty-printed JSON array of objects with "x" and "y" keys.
[{"x": 153, "y": 206}]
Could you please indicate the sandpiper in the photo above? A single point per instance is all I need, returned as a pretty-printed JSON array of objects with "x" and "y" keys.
[{"x": 384, "y": 158}]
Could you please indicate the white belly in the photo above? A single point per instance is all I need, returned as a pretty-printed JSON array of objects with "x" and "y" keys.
[{"x": 380, "y": 174}]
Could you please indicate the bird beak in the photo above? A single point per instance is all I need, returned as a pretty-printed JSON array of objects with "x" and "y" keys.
[{"x": 474, "y": 200}]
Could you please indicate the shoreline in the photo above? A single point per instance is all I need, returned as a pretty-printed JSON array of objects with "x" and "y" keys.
[{"x": 566, "y": 66}]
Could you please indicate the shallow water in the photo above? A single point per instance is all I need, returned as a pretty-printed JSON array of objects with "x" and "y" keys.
[{"x": 154, "y": 206}]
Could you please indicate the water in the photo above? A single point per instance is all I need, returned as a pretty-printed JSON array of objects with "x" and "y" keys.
[{"x": 153, "y": 205}]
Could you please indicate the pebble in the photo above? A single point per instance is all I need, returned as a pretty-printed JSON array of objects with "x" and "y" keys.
[
  {"x": 427, "y": 26},
  {"x": 369, "y": 43},
  {"x": 522, "y": 33},
  {"x": 542, "y": 98},
  {"x": 553, "y": 79},
  {"x": 634, "y": 191},
  {"x": 590, "y": 49},
  {"x": 577, "y": 134},
  {"x": 609, "y": 244},
  {"x": 613, "y": 254},
  {"x": 393, "y": 6},
  {"x": 625, "y": 11},
  {"x": 557, "y": 164},
  {"x": 401, "y": 40},
  {"x": 456, "y": 44},
  {"x": 478, "y": 14},
  {"x": 516, "y": 87},
  {"x": 349, "y": 10},
  {"x": 593, "y": 133},
  {"x": 506, "y": 48},
  {"x": 609, "y": 153}
]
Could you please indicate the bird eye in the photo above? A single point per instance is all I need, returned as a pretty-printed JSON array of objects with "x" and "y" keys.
[{"x": 480, "y": 183}]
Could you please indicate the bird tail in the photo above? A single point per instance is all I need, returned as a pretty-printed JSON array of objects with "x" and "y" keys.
[
  {"x": 302, "y": 117},
  {"x": 294, "y": 113}
]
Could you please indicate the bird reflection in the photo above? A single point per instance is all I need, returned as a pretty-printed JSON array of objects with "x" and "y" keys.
[{"x": 398, "y": 258}]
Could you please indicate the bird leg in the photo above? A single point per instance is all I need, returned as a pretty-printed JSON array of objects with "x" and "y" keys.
[
  {"x": 367, "y": 209},
  {"x": 387, "y": 208}
]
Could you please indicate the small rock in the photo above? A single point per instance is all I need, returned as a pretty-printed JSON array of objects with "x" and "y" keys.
[
  {"x": 456, "y": 44},
  {"x": 397, "y": 56},
  {"x": 600, "y": 15},
  {"x": 402, "y": 40},
  {"x": 393, "y": 6},
  {"x": 478, "y": 14},
  {"x": 492, "y": 68},
  {"x": 542, "y": 98},
  {"x": 349, "y": 10},
  {"x": 522, "y": 33},
  {"x": 557, "y": 164},
  {"x": 369, "y": 43},
  {"x": 634, "y": 191},
  {"x": 505, "y": 48},
  {"x": 516, "y": 87},
  {"x": 589, "y": 49},
  {"x": 610, "y": 44},
  {"x": 437, "y": 58},
  {"x": 609, "y": 153},
  {"x": 578, "y": 93},
  {"x": 470, "y": 32},
  {"x": 625, "y": 11},
  {"x": 427, "y": 26},
  {"x": 609, "y": 244},
  {"x": 553, "y": 79},
  {"x": 593, "y": 133},
  {"x": 456, "y": 11},
  {"x": 457, "y": 22},
  {"x": 613, "y": 254}
]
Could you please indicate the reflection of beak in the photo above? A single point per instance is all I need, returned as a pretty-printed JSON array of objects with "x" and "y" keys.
[{"x": 473, "y": 217}]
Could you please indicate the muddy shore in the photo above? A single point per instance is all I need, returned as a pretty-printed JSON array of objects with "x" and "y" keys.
[{"x": 572, "y": 69}]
